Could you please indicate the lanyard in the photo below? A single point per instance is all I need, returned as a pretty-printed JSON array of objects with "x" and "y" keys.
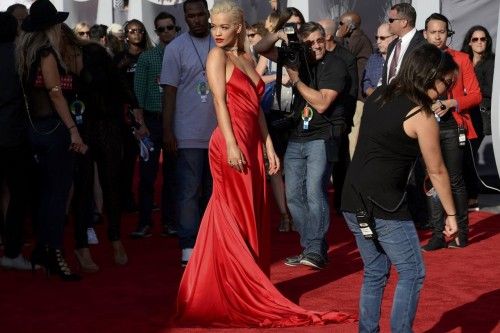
[{"x": 196, "y": 50}]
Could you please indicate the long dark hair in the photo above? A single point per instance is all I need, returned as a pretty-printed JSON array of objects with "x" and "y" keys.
[
  {"x": 145, "y": 41},
  {"x": 468, "y": 49},
  {"x": 285, "y": 16},
  {"x": 418, "y": 73}
]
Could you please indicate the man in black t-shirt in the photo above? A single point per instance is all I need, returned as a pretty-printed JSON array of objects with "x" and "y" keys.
[{"x": 318, "y": 107}]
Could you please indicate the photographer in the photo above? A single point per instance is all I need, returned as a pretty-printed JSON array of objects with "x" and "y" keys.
[{"x": 318, "y": 81}]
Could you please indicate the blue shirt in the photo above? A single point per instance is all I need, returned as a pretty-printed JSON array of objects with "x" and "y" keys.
[{"x": 373, "y": 72}]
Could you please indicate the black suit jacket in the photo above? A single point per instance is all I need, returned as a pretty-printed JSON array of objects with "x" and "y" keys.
[{"x": 417, "y": 40}]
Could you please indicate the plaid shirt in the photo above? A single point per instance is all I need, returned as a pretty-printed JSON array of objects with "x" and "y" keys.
[{"x": 146, "y": 81}]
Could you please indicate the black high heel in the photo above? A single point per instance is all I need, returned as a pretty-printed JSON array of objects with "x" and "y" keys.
[
  {"x": 57, "y": 264},
  {"x": 52, "y": 261}
]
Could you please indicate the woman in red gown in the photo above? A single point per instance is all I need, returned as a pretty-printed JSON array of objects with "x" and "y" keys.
[{"x": 226, "y": 281}]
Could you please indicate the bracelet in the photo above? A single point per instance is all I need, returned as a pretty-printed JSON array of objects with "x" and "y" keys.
[
  {"x": 71, "y": 127},
  {"x": 294, "y": 84}
]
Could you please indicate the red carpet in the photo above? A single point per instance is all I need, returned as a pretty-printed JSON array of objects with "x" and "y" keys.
[{"x": 461, "y": 292}]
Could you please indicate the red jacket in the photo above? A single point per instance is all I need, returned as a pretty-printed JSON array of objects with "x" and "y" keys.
[{"x": 465, "y": 91}]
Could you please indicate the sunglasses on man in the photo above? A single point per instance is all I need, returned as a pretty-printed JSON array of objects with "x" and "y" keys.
[
  {"x": 167, "y": 27},
  {"x": 382, "y": 38},
  {"x": 391, "y": 20}
]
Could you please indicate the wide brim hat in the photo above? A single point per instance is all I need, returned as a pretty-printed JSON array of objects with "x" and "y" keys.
[{"x": 42, "y": 16}]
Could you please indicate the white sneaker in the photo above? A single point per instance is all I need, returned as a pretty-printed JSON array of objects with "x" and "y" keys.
[
  {"x": 186, "y": 255},
  {"x": 19, "y": 263},
  {"x": 92, "y": 237}
]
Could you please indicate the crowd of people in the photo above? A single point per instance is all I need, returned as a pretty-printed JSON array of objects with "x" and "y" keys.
[{"x": 215, "y": 106}]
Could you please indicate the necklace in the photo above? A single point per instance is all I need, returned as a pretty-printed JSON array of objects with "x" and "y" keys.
[{"x": 229, "y": 49}]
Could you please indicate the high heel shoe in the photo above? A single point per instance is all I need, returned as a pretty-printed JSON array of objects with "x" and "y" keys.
[
  {"x": 119, "y": 253},
  {"x": 52, "y": 261},
  {"x": 57, "y": 264},
  {"x": 285, "y": 223},
  {"x": 85, "y": 260}
]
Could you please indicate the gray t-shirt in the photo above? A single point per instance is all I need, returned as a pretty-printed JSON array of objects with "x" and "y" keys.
[{"x": 183, "y": 67}]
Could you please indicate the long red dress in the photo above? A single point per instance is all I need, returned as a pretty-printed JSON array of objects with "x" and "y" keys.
[{"x": 226, "y": 282}]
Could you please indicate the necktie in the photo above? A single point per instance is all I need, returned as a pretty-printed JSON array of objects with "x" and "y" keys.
[{"x": 394, "y": 61}]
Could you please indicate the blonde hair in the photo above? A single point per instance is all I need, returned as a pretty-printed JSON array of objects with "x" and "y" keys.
[
  {"x": 80, "y": 25},
  {"x": 30, "y": 43},
  {"x": 236, "y": 12}
]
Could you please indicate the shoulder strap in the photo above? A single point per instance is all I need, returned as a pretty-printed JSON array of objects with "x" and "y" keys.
[{"x": 413, "y": 113}]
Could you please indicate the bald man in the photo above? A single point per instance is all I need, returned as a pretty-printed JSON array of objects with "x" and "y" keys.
[
  {"x": 355, "y": 40},
  {"x": 372, "y": 76}
]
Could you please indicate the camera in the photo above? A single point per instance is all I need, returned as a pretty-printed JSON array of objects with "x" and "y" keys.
[{"x": 291, "y": 54}]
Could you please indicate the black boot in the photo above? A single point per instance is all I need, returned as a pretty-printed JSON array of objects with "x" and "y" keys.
[
  {"x": 435, "y": 243},
  {"x": 59, "y": 266},
  {"x": 52, "y": 261}
]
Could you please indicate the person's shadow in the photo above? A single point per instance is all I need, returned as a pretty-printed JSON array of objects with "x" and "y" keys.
[
  {"x": 481, "y": 315},
  {"x": 344, "y": 260}
]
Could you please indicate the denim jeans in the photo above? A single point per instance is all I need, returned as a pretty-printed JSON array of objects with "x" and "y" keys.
[
  {"x": 54, "y": 163},
  {"x": 453, "y": 157},
  {"x": 307, "y": 172},
  {"x": 194, "y": 189},
  {"x": 397, "y": 243},
  {"x": 148, "y": 174}
]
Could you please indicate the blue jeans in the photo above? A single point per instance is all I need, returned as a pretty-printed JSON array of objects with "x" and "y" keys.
[
  {"x": 397, "y": 243},
  {"x": 307, "y": 172},
  {"x": 149, "y": 172},
  {"x": 194, "y": 189}
]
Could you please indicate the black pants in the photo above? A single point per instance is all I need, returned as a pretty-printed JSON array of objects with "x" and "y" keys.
[
  {"x": 54, "y": 165},
  {"x": 149, "y": 172},
  {"x": 15, "y": 171},
  {"x": 472, "y": 182},
  {"x": 105, "y": 148},
  {"x": 453, "y": 156}
]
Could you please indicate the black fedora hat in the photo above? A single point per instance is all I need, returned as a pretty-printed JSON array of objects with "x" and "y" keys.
[{"x": 43, "y": 15}]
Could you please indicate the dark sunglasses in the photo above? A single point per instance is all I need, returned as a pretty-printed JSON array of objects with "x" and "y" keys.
[
  {"x": 382, "y": 38},
  {"x": 83, "y": 33},
  {"x": 391, "y": 20},
  {"x": 476, "y": 39},
  {"x": 251, "y": 35},
  {"x": 135, "y": 31},
  {"x": 165, "y": 28}
]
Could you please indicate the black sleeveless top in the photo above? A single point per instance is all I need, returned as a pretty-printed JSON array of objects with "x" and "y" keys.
[{"x": 382, "y": 161}]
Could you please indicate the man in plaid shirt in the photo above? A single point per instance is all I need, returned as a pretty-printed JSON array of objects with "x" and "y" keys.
[{"x": 150, "y": 96}]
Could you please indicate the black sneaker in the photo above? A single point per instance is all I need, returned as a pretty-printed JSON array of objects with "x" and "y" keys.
[
  {"x": 294, "y": 261},
  {"x": 168, "y": 231},
  {"x": 141, "y": 232},
  {"x": 474, "y": 207},
  {"x": 313, "y": 260},
  {"x": 435, "y": 243}
]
